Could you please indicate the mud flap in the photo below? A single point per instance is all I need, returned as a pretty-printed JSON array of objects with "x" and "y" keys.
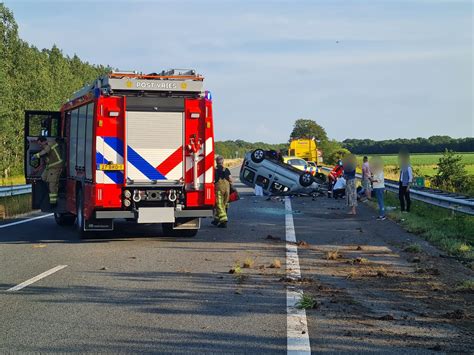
[{"x": 187, "y": 223}]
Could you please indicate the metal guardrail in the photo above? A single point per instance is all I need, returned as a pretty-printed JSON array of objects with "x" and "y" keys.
[
  {"x": 454, "y": 202},
  {"x": 15, "y": 190}
]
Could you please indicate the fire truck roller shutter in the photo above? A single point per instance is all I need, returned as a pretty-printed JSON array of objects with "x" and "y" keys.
[{"x": 155, "y": 146}]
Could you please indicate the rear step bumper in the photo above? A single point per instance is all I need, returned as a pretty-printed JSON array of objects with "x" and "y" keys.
[{"x": 134, "y": 214}]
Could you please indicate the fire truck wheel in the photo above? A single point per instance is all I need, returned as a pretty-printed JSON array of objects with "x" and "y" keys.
[
  {"x": 168, "y": 231},
  {"x": 306, "y": 179},
  {"x": 64, "y": 219},
  {"x": 80, "y": 222},
  {"x": 258, "y": 155}
]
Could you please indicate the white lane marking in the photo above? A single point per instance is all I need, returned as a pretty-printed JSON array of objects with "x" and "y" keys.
[
  {"x": 296, "y": 323},
  {"x": 36, "y": 278},
  {"x": 25, "y": 220}
]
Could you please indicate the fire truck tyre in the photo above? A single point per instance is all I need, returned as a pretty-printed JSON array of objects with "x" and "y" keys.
[
  {"x": 306, "y": 179},
  {"x": 64, "y": 219},
  {"x": 80, "y": 221},
  {"x": 258, "y": 155}
]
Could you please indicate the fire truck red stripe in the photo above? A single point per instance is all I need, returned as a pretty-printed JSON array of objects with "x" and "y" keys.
[
  {"x": 171, "y": 162},
  {"x": 203, "y": 166}
]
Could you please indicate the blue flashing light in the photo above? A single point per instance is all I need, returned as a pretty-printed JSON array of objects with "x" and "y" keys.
[
  {"x": 97, "y": 93},
  {"x": 208, "y": 95}
]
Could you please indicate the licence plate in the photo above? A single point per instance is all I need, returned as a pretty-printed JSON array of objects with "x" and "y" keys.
[{"x": 111, "y": 167}]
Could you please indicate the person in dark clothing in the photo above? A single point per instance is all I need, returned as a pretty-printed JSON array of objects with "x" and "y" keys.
[
  {"x": 222, "y": 181},
  {"x": 406, "y": 178}
]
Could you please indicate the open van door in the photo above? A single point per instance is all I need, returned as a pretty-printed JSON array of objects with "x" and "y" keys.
[{"x": 37, "y": 124}]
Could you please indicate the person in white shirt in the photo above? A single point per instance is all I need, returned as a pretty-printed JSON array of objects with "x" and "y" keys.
[
  {"x": 378, "y": 185},
  {"x": 339, "y": 189}
]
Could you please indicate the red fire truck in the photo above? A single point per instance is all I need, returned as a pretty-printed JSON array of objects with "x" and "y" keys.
[{"x": 137, "y": 147}]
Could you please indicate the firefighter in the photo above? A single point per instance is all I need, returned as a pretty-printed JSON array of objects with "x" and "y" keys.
[
  {"x": 54, "y": 166},
  {"x": 222, "y": 186}
]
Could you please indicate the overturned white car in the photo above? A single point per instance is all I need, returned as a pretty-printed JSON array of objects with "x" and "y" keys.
[{"x": 262, "y": 168}]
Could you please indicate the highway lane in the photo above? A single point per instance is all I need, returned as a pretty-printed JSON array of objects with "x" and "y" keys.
[{"x": 137, "y": 290}]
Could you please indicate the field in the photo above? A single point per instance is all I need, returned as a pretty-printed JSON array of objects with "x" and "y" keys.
[{"x": 423, "y": 164}]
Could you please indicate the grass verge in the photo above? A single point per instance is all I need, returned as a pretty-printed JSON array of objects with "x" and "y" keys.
[
  {"x": 14, "y": 205},
  {"x": 14, "y": 180},
  {"x": 450, "y": 231}
]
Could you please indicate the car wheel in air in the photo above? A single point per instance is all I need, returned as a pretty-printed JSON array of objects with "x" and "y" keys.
[
  {"x": 258, "y": 156},
  {"x": 306, "y": 179}
]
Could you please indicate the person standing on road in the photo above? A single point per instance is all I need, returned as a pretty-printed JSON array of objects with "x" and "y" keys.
[
  {"x": 349, "y": 164},
  {"x": 366, "y": 178},
  {"x": 222, "y": 186},
  {"x": 406, "y": 178},
  {"x": 54, "y": 166},
  {"x": 379, "y": 185}
]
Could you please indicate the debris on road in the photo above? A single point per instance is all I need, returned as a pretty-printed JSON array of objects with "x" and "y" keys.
[
  {"x": 333, "y": 255},
  {"x": 271, "y": 237},
  {"x": 302, "y": 243},
  {"x": 103, "y": 268},
  {"x": 276, "y": 264},
  {"x": 235, "y": 270},
  {"x": 307, "y": 301},
  {"x": 248, "y": 263},
  {"x": 387, "y": 317}
]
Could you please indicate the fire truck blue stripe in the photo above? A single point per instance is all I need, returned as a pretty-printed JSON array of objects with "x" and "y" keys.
[
  {"x": 143, "y": 166},
  {"x": 115, "y": 143},
  {"x": 115, "y": 176}
]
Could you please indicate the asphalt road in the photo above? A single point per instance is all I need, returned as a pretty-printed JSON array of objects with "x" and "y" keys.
[{"x": 137, "y": 290}]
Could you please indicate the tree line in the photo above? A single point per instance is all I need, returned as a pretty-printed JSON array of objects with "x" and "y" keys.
[
  {"x": 433, "y": 144},
  {"x": 32, "y": 79}
]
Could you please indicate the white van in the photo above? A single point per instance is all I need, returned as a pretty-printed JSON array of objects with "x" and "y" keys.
[{"x": 261, "y": 168}]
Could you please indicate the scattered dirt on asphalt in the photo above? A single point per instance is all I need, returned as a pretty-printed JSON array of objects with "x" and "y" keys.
[{"x": 388, "y": 290}]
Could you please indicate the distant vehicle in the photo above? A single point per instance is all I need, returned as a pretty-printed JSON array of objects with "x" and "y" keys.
[
  {"x": 308, "y": 166},
  {"x": 301, "y": 164},
  {"x": 306, "y": 149},
  {"x": 260, "y": 168}
]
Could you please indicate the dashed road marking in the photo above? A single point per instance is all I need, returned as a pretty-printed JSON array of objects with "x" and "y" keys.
[
  {"x": 25, "y": 220},
  {"x": 36, "y": 278},
  {"x": 297, "y": 325}
]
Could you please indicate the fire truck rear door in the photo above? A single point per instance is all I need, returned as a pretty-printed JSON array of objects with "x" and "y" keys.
[{"x": 37, "y": 124}]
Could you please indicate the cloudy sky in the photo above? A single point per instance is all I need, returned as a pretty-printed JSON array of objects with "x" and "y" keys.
[{"x": 362, "y": 69}]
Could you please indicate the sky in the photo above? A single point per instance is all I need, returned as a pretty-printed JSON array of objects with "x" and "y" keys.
[{"x": 378, "y": 69}]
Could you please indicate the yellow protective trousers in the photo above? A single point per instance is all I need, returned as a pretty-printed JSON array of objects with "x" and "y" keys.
[{"x": 222, "y": 200}]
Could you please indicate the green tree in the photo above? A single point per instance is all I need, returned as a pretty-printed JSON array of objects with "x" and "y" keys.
[
  {"x": 31, "y": 79},
  {"x": 304, "y": 128},
  {"x": 451, "y": 174}
]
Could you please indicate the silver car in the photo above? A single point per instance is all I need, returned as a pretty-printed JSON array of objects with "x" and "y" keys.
[{"x": 275, "y": 177}]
